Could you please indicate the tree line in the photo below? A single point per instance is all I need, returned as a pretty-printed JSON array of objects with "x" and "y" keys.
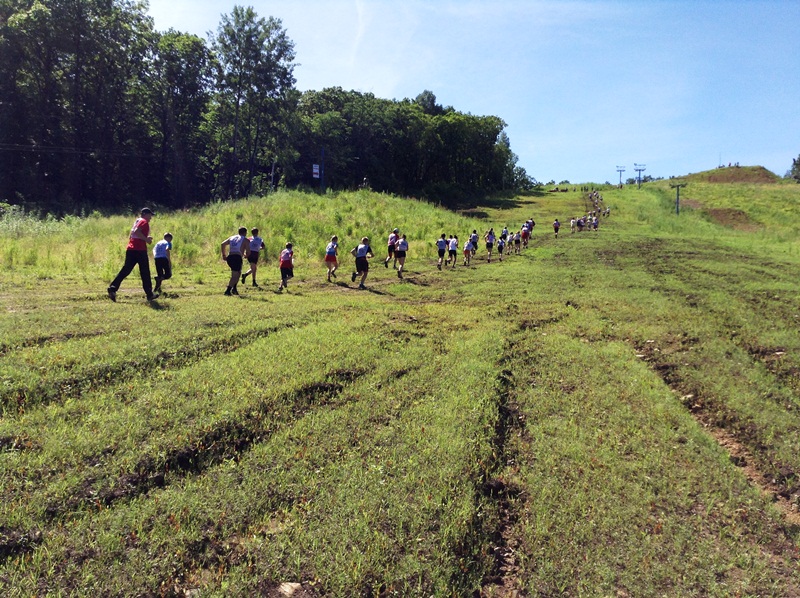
[{"x": 99, "y": 111}]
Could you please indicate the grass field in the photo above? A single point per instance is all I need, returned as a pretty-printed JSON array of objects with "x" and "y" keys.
[{"x": 610, "y": 413}]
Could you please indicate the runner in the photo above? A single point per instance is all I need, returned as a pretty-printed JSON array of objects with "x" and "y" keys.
[
  {"x": 332, "y": 257},
  {"x": 256, "y": 246},
  {"x": 441, "y": 248},
  {"x": 517, "y": 241},
  {"x": 490, "y": 239},
  {"x": 452, "y": 251},
  {"x": 238, "y": 248},
  {"x": 501, "y": 245},
  {"x": 473, "y": 238},
  {"x": 136, "y": 255},
  {"x": 162, "y": 254},
  {"x": 361, "y": 253},
  {"x": 525, "y": 234},
  {"x": 556, "y": 226},
  {"x": 469, "y": 249},
  {"x": 286, "y": 264},
  {"x": 392, "y": 241},
  {"x": 401, "y": 248}
]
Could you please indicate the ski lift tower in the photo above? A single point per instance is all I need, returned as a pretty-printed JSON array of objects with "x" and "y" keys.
[
  {"x": 620, "y": 170},
  {"x": 639, "y": 168}
]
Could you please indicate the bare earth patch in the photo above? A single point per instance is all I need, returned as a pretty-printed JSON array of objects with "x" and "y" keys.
[{"x": 732, "y": 218}]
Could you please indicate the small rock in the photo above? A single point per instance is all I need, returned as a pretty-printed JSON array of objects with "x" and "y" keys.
[{"x": 289, "y": 588}]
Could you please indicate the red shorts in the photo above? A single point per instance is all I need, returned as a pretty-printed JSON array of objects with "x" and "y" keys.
[{"x": 330, "y": 258}]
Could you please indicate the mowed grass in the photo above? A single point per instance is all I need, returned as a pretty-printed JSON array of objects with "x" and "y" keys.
[{"x": 545, "y": 424}]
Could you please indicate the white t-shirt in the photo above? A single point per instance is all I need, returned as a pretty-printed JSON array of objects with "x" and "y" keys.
[{"x": 161, "y": 248}]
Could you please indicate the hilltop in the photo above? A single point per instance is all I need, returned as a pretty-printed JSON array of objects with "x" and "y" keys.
[{"x": 734, "y": 174}]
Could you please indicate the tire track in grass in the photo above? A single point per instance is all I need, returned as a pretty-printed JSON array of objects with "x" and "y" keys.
[
  {"x": 17, "y": 399},
  {"x": 491, "y": 525},
  {"x": 41, "y": 341},
  {"x": 217, "y": 553},
  {"x": 732, "y": 435},
  {"x": 227, "y": 440},
  {"x": 503, "y": 577}
]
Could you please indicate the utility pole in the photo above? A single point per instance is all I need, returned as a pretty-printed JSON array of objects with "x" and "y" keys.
[
  {"x": 639, "y": 168},
  {"x": 677, "y": 188},
  {"x": 620, "y": 170}
]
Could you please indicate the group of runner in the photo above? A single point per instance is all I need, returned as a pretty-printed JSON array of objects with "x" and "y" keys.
[{"x": 240, "y": 247}]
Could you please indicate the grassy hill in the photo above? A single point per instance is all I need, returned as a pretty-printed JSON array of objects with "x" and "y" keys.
[{"x": 606, "y": 413}]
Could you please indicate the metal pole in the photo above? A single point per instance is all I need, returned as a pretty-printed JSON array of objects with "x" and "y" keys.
[{"x": 322, "y": 173}]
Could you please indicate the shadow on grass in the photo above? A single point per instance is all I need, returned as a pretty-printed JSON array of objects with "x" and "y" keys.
[{"x": 155, "y": 305}]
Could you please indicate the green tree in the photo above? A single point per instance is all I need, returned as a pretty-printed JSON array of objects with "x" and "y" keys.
[
  {"x": 71, "y": 102},
  {"x": 254, "y": 83},
  {"x": 794, "y": 172},
  {"x": 180, "y": 91}
]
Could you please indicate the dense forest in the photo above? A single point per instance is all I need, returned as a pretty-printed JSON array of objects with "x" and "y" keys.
[{"x": 99, "y": 111}]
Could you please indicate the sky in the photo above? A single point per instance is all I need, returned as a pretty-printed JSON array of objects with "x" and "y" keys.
[{"x": 584, "y": 87}]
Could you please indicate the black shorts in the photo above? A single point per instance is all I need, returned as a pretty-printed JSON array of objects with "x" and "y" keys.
[
  {"x": 163, "y": 268},
  {"x": 391, "y": 249},
  {"x": 489, "y": 245},
  {"x": 287, "y": 273},
  {"x": 362, "y": 264},
  {"x": 234, "y": 262},
  {"x": 442, "y": 252},
  {"x": 253, "y": 257},
  {"x": 399, "y": 253},
  {"x": 500, "y": 248},
  {"x": 453, "y": 252}
]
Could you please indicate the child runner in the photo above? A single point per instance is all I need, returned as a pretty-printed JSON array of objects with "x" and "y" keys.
[
  {"x": 441, "y": 248},
  {"x": 286, "y": 265},
  {"x": 162, "y": 253},
  {"x": 136, "y": 254},
  {"x": 392, "y": 241},
  {"x": 525, "y": 235},
  {"x": 256, "y": 246},
  {"x": 401, "y": 248},
  {"x": 468, "y": 249},
  {"x": 556, "y": 226},
  {"x": 238, "y": 249},
  {"x": 490, "y": 239},
  {"x": 572, "y": 225},
  {"x": 361, "y": 253},
  {"x": 501, "y": 245},
  {"x": 452, "y": 251},
  {"x": 473, "y": 238},
  {"x": 331, "y": 256},
  {"x": 517, "y": 241}
]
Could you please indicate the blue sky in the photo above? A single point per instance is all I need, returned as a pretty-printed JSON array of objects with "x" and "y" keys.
[{"x": 584, "y": 86}]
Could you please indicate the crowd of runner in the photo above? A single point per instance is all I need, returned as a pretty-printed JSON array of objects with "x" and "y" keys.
[{"x": 240, "y": 247}]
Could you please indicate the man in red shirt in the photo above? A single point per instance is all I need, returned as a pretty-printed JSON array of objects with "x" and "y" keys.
[{"x": 137, "y": 254}]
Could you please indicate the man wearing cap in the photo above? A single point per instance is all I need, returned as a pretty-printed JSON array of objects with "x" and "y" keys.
[{"x": 136, "y": 254}]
